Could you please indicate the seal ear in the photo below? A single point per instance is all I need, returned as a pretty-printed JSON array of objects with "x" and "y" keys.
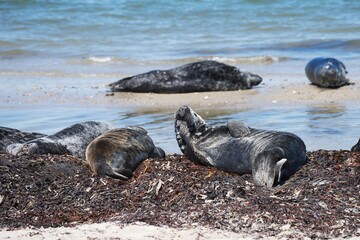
[{"x": 237, "y": 129}]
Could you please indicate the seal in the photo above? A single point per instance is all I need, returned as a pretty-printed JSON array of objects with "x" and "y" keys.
[
  {"x": 10, "y": 136},
  {"x": 193, "y": 77},
  {"x": 71, "y": 140},
  {"x": 356, "y": 147},
  {"x": 118, "y": 152},
  {"x": 270, "y": 156},
  {"x": 326, "y": 73}
]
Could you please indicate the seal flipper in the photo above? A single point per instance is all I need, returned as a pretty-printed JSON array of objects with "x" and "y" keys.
[
  {"x": 113, "y": 172},
  {"x": 237, "y": 129},
  {"x": 267, "y": 167},
  {"x": 158, "y": 153}
]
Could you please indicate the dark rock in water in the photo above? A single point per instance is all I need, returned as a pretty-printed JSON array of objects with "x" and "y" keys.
[
  {"x": 356, "y": 147},
  {"x": 10, "y": 135},
  {"x": 326, "y": 73},
  {"x": 193, "y": 77}
]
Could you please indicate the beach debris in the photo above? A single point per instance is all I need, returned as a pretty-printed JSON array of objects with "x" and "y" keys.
[{"x": 320, "y": 201}]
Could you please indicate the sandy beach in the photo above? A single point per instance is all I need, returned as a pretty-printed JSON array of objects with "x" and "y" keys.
[{"x": 95, "y": 93}]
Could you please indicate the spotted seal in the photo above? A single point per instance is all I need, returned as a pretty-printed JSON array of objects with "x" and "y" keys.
[
  {"x": 10, "y": 136},
  {"x": 271, "y": 156},
  {"x": 71, "y": 140},
  {"x": 118, "y": 152},
  {"x": 356, "y": 147},
  {"x": 326, "y": 73},
  {"x": 193, "y": 77}
]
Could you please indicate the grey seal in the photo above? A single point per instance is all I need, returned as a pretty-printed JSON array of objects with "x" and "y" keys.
[
  {"x": 118, "y": 152},
  {"x": 271, "y": 156},
  {"x": 356, "y": 147},
  {"x": 10, "y": 136},
  {"x": 326, "y": 73},
  {"x": 71, "y": 140},
  {"x": 193, "y": 77}
]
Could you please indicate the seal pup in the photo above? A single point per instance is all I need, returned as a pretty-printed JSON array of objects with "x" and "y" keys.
[
  {"x": 193, "y": 77},
  {"x": 118, "y": 152},
  {"x": 326, "y": 73},
  {"x": 271, "y": 156},
  {"x": 71, "y": 140},
  {"x": 356, "y": 147},
  {"x": 10, "y": 135}
]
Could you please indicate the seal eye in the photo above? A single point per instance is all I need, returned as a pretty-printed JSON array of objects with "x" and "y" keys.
[{"x": 195, "y": 115}]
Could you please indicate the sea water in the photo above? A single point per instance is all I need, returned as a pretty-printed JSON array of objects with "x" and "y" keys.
[{"x": 87, "y": 39}]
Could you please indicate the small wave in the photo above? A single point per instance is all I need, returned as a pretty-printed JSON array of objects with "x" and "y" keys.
[
  {"x": 16, "y": 52},
  {"x": 56, "y": 74},
  {"x": 235, "y": 60},
  {"x": 316, "y": 44}
]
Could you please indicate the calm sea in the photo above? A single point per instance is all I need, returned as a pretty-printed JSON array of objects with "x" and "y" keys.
[{"x": 66, "y": 39}]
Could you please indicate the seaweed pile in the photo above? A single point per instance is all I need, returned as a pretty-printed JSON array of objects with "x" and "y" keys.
[{"x": 321, "y": 200}]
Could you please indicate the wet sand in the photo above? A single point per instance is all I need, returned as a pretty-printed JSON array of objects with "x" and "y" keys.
[{"x": 94, "y": 92}]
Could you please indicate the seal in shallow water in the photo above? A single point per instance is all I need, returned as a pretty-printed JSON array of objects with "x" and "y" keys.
[
  {"x": 356, "y": 147},
  {"x": 118, "y": 152},
  {"x": 193, "y": 77},
  {"x": 271, "y": 156},
  {"x": 10, "y": 135},
  {"x": 326, "y": 73},
  {"x": 71, "y": 140}
]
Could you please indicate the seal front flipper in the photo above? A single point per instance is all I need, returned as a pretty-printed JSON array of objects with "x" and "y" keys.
[
  {"x": 267, "y": 167},
  {"x": 237, "y": 129}
]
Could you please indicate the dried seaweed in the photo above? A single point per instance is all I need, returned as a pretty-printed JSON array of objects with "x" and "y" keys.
[{"x": 321, "y": 200}]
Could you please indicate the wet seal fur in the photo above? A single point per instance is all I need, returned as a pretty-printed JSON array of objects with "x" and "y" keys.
[
  {"x": 326, "y": 73},
  {"x": 10, "y": 136},
  {"x": 71, "y": 140},
  {"x": 118, "y": 152},
  {"x": 193, "y": 77},
  {"x": 271, "y": 156},
  {"x": 356, "y": 147}
]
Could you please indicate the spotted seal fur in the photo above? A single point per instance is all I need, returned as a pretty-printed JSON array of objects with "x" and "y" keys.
[
  {"x": 271, "y": 156},
  {"x": 118, "y": 152},
  {"x": 193, "y": 77},
  {"x": 71, "y": 140},
  {"x": 326, "y": 73},
  {"x": 10, "y": 136}
]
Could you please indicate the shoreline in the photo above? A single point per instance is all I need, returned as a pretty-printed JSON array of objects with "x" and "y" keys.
[{"x": 95, "y": 93}]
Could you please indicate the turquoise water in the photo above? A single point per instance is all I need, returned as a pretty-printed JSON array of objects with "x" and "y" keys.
[
  {"x": 62, "y": 34},
  {"x": 83, "y": 39}
]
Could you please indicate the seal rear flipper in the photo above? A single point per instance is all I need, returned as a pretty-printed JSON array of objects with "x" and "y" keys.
[
  {"x": 267, "y": 167},
  {"x": 113, "y": 172},
  {"x": 237, "y": 129},
  {"x": 158, "y": 153}
]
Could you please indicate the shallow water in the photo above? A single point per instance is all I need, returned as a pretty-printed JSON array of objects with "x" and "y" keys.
[
  {"x": 331, "y": 127},
  {"x": 72, "y": 42}
]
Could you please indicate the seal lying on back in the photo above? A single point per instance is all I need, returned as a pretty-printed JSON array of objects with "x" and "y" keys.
[
  {"x": 118, "y": 152},
  {"x": 10, "y": 135},
  {"x": 193, "y": 77},
  {"x": 356, "y": 147},
  {"x": 326, "y": 72},
  {"x": 271, "y": 156},
  {"x": 71, "y": 140}
]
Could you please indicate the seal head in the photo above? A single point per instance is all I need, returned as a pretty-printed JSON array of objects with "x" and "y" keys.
[{"x": 326, "y": 72}]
